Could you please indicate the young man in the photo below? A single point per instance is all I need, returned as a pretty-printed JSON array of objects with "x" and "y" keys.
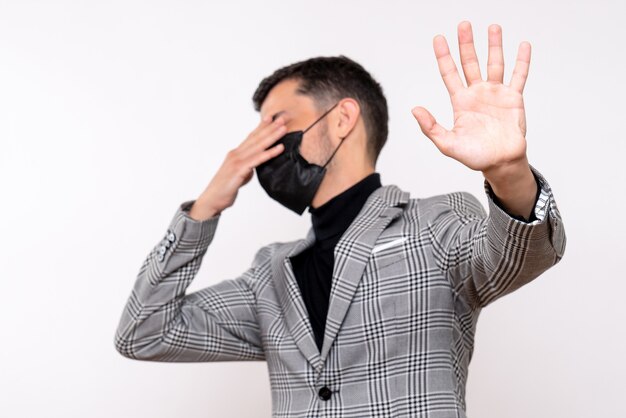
[{"x": 373, "y": 313}]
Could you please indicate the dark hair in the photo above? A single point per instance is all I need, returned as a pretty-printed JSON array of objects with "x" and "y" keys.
[{"x": 329, "y": 79}]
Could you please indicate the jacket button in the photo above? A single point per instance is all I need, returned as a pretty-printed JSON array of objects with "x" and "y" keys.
[{"x": 325, "y": 393}]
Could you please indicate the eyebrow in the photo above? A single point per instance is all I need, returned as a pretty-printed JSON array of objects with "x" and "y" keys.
[{"x": 276, "y": 114}]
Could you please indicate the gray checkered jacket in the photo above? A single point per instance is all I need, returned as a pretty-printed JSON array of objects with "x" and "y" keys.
[{"x": 410, "y": 278}]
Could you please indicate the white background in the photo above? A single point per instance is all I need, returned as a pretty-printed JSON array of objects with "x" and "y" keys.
[{"x": 112, "y": 113}]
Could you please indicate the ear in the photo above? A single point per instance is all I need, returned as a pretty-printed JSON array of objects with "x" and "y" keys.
[{"x": 346, "y": 117}]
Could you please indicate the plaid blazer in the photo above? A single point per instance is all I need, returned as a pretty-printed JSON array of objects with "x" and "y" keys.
[{"x": 410, "y": 278}]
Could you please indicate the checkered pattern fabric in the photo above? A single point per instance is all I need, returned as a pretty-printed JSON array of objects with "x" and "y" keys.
[{"x": 410, "y": 278}]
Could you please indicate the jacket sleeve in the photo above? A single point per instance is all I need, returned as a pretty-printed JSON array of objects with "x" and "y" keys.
[
  {"x": 488, "y": 256},
  {"x": 162, "y": 323}
]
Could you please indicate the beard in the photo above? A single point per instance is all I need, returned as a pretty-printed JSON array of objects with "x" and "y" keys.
[{"x": 326, "y": 148}]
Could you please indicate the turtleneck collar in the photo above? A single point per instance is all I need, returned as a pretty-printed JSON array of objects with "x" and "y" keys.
[{"x": 331, "y": 219}]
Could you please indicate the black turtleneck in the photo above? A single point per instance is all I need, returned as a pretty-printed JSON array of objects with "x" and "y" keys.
[{"x": 313, "y": 267}]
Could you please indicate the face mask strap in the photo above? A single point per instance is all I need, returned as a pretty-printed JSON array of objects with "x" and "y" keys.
[
  {"x": 333, "y": 154},
  {"x": 320, "y": 118}
]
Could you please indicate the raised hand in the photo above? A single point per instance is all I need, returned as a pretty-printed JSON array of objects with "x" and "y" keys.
[
  {"x": 489, "y": 131},
  {"x": 238, "y": 168}
]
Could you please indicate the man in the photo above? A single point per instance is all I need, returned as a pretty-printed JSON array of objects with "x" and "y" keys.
[{"x": 373, "y": 313}]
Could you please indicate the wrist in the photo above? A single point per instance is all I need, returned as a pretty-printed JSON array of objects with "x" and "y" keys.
[
  {"x": 515, "y": 191},
  {"x": 507, "y": 179},
  {"x": 202, "y": 209}
]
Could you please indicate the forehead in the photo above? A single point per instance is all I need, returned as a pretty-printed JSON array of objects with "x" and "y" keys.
[{"x": 283, "y": 99}]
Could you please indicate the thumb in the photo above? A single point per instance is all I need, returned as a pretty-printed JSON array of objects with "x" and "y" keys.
[{"x": 429, "y": 126}]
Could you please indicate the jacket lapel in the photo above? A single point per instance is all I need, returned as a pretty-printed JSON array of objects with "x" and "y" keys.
[
  {"x": 353, "y": 251},
  {"x": 290, "y": 298},
  {"x": 350, "y": 257}
]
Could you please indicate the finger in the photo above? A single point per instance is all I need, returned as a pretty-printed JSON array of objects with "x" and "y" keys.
[
  {"x": 429, "y": 126},
  {"x": 269, "y": 139},
  {"x": 262, "y": 131},
  {"x": 265, "y": 155},
  {"x": 269, "y": 127},
  {"x": 266, "y": 121},
  {"x": 495, "y": 60},
  {"x": 469, "y": 61},
  {"x": 447, "y": 68},
  {"x": 262, "y": 141},
  {"x": 520, "y": 72}
]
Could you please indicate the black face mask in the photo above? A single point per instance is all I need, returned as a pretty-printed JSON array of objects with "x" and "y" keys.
[{"x": 290, "y": 179}]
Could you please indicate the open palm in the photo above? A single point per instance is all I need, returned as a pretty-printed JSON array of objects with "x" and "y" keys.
[{"x": 489, "y": 121}]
